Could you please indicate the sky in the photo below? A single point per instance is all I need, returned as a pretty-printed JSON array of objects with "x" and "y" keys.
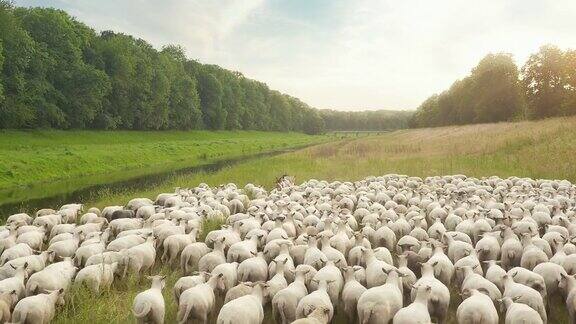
[{"x": 340, "y": 54}]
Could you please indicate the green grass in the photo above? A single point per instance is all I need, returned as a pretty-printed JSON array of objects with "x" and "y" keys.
[
  {"x": 34, "y": 164},
  {"x": 543, "y": 149}
]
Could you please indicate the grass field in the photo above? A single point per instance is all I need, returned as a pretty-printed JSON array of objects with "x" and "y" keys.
[
  {"x": 35, "y": 164},
  {"x": 541, "y": 149}
]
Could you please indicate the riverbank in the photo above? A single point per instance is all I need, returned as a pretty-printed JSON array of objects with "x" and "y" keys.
[{"x": 38, "y": 164}]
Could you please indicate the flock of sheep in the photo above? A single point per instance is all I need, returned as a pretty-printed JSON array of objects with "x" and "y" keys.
[{"x": 384, "y": 249}]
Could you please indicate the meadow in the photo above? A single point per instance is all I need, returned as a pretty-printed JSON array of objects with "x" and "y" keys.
[
  {"x": 542, "y": 149},
  {"x": 538, "y": 149},
  {"x": 34, "y": 164}
]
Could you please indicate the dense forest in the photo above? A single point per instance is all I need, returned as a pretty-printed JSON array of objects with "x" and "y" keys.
[
  {"x": 497, "y": 90},
  {"x": 56, "y": 72}
]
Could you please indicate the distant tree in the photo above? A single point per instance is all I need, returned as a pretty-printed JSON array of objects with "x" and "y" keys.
[
  {"x": 497, "y": 93},
  {"x": 544, "y": 82},
  {"x": 211, "y": 100}
]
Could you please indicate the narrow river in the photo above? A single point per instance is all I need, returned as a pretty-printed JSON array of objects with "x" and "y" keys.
[{"x": 69, "y": 193}]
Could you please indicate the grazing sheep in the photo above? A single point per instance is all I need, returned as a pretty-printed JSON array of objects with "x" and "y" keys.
[
  {"x": 39, "y": 308},
  {"x": 417, "y": 312},
  {"x": 380, "y": 304},
  {"x": 148, "y": 306},
  {"x": 246, "y": 309},
  {"x": 477, "y": 308},
  {"x": 198, "y": 302}
]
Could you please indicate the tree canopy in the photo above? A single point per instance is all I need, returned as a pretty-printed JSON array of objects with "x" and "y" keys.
[{"x": 496, "y": 90}]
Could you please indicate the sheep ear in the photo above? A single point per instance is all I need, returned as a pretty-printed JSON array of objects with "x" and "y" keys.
[{"x": 61, "y": 290}]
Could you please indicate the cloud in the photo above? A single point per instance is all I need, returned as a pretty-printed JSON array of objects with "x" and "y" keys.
[{"x": 343, "y": 54}]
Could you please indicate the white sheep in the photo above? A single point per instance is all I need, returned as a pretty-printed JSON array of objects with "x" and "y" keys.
[
  {"x": 477, "y": 308},
  {"x": 380, "y": 304},
  {"x": 141, "y": 257},
  {"x": 253, "y": 269},
  {"x": 191, "y": 254},
  {"x": 417, "y": 312},
  {"x": 317, "y": 298},
  {"x": 98, "y": 276},
  {"x": 40, "y": 308},
  {"x": 519, "y": 313},
  {"x": 246, "y": 309},
  {"x": 198, "y": 302},
  {"x": 148, "y": 306},
  {"x": 53, "y": 277},
  {"x": 526, "y": 295},
  {"x": 285, "y": 302}
]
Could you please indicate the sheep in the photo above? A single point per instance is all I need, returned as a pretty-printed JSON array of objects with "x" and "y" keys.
[
  {"x": 106, "y": 257},
  {"x": 198, "y": 302},
  {"x": 243, "y": 250},
  {"x": 517, "y": 313},
  {"x": 230, "y": 273},
  {"x": 568, "y": 284},
  {"x": 25, "y": 218},
  {"x": 525, "y": 295},
  {"x": 40, "y": 308},
  {"x": 317, "y": 298},
  {"x": 332, "y": 274},
  {"x": 351, "y": 293},
  {"x": 495, "y": 273},
  {"x": 148, "y": 306},
  {"x": 253, "y": 269},
  {"x": 417, "y": 312},
  {"x": 473, "y": 280},
  {"x": 16, "y": 283},
  {"x": 97, "y": 276},
  {"x": 35, "y": 263},
  {"x": 285, "y": 301},
  {"x": 217, "y": 256},
  {"x": 125, "y": 242},
  {"x": 439, "y": 299},
  {"x": 246, "y": 309},
  {"x": 53, "y": 277},
  {"x": 8, "y": 241},
  {"x": 380, "y": 304},
  {"x": 278, "y": 280},
  {"x": 66, "y": 248},
  {"x": 16, "y": 251},
  {"x": 174, "y": 244},
  {"x": 478, "y": 308},
  {"x": 319, "y": 315},
  {"x": 242, "y": 289},
  {"x": 191, "y": 254},
  {"x": 184, "y": 283},
  {"x": 141, "y": 257},
  {"x": 374, "y": 274},
  {"x": 6, "y": 301}
]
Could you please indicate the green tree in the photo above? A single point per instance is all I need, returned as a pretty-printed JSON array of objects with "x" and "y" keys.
[
  {"x": 543, "y": 79},
  {"x": 213, "y": 113}
]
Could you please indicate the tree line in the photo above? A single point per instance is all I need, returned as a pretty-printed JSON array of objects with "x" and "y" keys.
[
  {"x": 368, "y": 120},
  {"x": 56, "y": 72},
  {"x": 497, "y": 90}
]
